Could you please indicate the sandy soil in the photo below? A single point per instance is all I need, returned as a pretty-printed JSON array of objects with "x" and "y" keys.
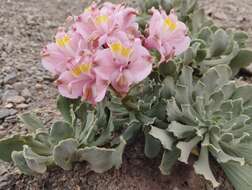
[{"x": 25, "y": 26}]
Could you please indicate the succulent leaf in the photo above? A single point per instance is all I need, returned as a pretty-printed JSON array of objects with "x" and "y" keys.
[
  {"x": 64, "y": 153},
  {"x": 242, "y": 60},
  {"x": 219, "y": 44},
  {"x": 169, "y": 158},
  {"x": 214, "y": 116},
  {"x": 14, "y": 143},
  {"x": 34, "y": 161},
  {"x": 239, "y": 176},
  {"x": 102, "y": 159},
  {"x": 60, "y": 131},
  {"x": 202, "y": 167},
  {"x": 162, "y": 135},
  {"x": 31, "y": 121},
  {"x": 66, "y": 106},
  {"x": 20, "y": 162},
  {"x": 152, "y": 146}
]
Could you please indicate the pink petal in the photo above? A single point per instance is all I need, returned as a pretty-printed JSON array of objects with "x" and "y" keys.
[
  {"x": 122, "y": 82},
  {"x": 101, "y": 89},
  {"x": 105, "y": 67}
]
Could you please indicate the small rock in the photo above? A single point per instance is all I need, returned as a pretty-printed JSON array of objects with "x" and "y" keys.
[
  {"x": 9, "y": 105},
  {"x": 6, "y": 69},
  {"x": 10, "y": 78},
  {"x": 220, "y": 16},
  {"x": 16, "y": 99},
  {"x": 8, "y": 93},
  {"x": 7, "y": 112},
  {"x": 19, "y": 86},
  {"x": 39, "y": 86},
  {"x": 22, "y": 106},
  {"x": 11, "y": 119},
  {"x": 26, "y": 93}
]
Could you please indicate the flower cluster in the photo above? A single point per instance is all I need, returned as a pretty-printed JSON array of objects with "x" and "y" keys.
[
  {"x": 167, "y": 34},
  {"x": 104, "y": 47}
]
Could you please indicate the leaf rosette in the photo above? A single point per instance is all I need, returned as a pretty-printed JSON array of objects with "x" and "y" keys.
[{"x": 210, "y": 115}]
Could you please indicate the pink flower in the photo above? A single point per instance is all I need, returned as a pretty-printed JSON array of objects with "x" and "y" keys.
[
  {"x": 101, "y": 48},
  {"x": 100, "y": 24},
  {"x": 123, "y": 64},
  {"x": 59, "y": 56},
  {"x": 82, "y": 82},
  {"x": 167, "y": 34}
]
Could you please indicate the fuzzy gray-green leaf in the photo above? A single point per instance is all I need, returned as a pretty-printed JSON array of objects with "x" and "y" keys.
[
  {"x": 31, "y": 121},
  {"x": 14, "y": 143},
  {"x": 65, "y": 153},
  {"x": 60, "y": 131},
  {"x": 20, "y": 162},
  {"x": 168, "y": 160},
  {"x": 219, "y": 44},
  {"x": 163, "y": 136},
  {"x": 102, "y": 159}
]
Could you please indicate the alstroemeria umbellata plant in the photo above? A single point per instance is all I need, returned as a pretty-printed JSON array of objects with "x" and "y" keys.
[{"x": 164, "y": 70}]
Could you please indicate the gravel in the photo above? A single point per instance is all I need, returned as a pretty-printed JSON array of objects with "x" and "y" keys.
[{"x": 6, "y": 112}]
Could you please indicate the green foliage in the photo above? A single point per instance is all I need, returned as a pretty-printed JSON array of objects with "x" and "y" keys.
[
  {"x": 214, "y": 114},
  {"x": 76, "y": 139},
  {"x": 31, "y": 121}
]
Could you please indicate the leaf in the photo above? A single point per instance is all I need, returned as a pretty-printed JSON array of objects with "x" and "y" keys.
[
  {"x": 60, "y": 131},
  {"x": 14, "y": 143},
  {"x": 163, "y": 136},
  {"x": 168, "y": 69},
  {"x": 152, "y": 146},
  {"x": 244, "y": 92},
  {"x": 219, "y": 44},
  {"x": 31, "y": 121},
  {"x": 34, "y": 161},
  {"x": 186, "y": 148},
  {"x": 239, "y": 176},
  {"x": 132, "y": 130},
  {"x": 168, "y": 160},
  {"x": 89, "y": 131},
  {"x": 65, "y": 107},
  {"x": 81, "y": 111},
  {"x": 188, "y": 56},
  {"x": 202, "y": 167},
  {"x": 242, "y": 60},
  {"x": 179, "y": 130},
  {"x": 106, "y": 134},
  {"x": 102, "y": 159},
  {"x": 65, "y": 153},
  {"x": 168, "y": 89},
  {"x": 20, "y": 162},
  {"x": 205, "y": 34}
]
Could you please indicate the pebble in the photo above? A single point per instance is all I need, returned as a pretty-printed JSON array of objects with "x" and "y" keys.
[
  {"x": 39, "y": 86},
  {"x": 7, "y": 112},
  {"x": 10, "y": 78},
  {"x": 11, "y": 119},
  {"x": 22, "y": 106},
  {"x": 16, "y": 99},
  {"x": 9, "y": 105},
  {"x": 26, "y": 93},
  {"x": 19, "y": 86},
  {"x": 8, "y": 93}
]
